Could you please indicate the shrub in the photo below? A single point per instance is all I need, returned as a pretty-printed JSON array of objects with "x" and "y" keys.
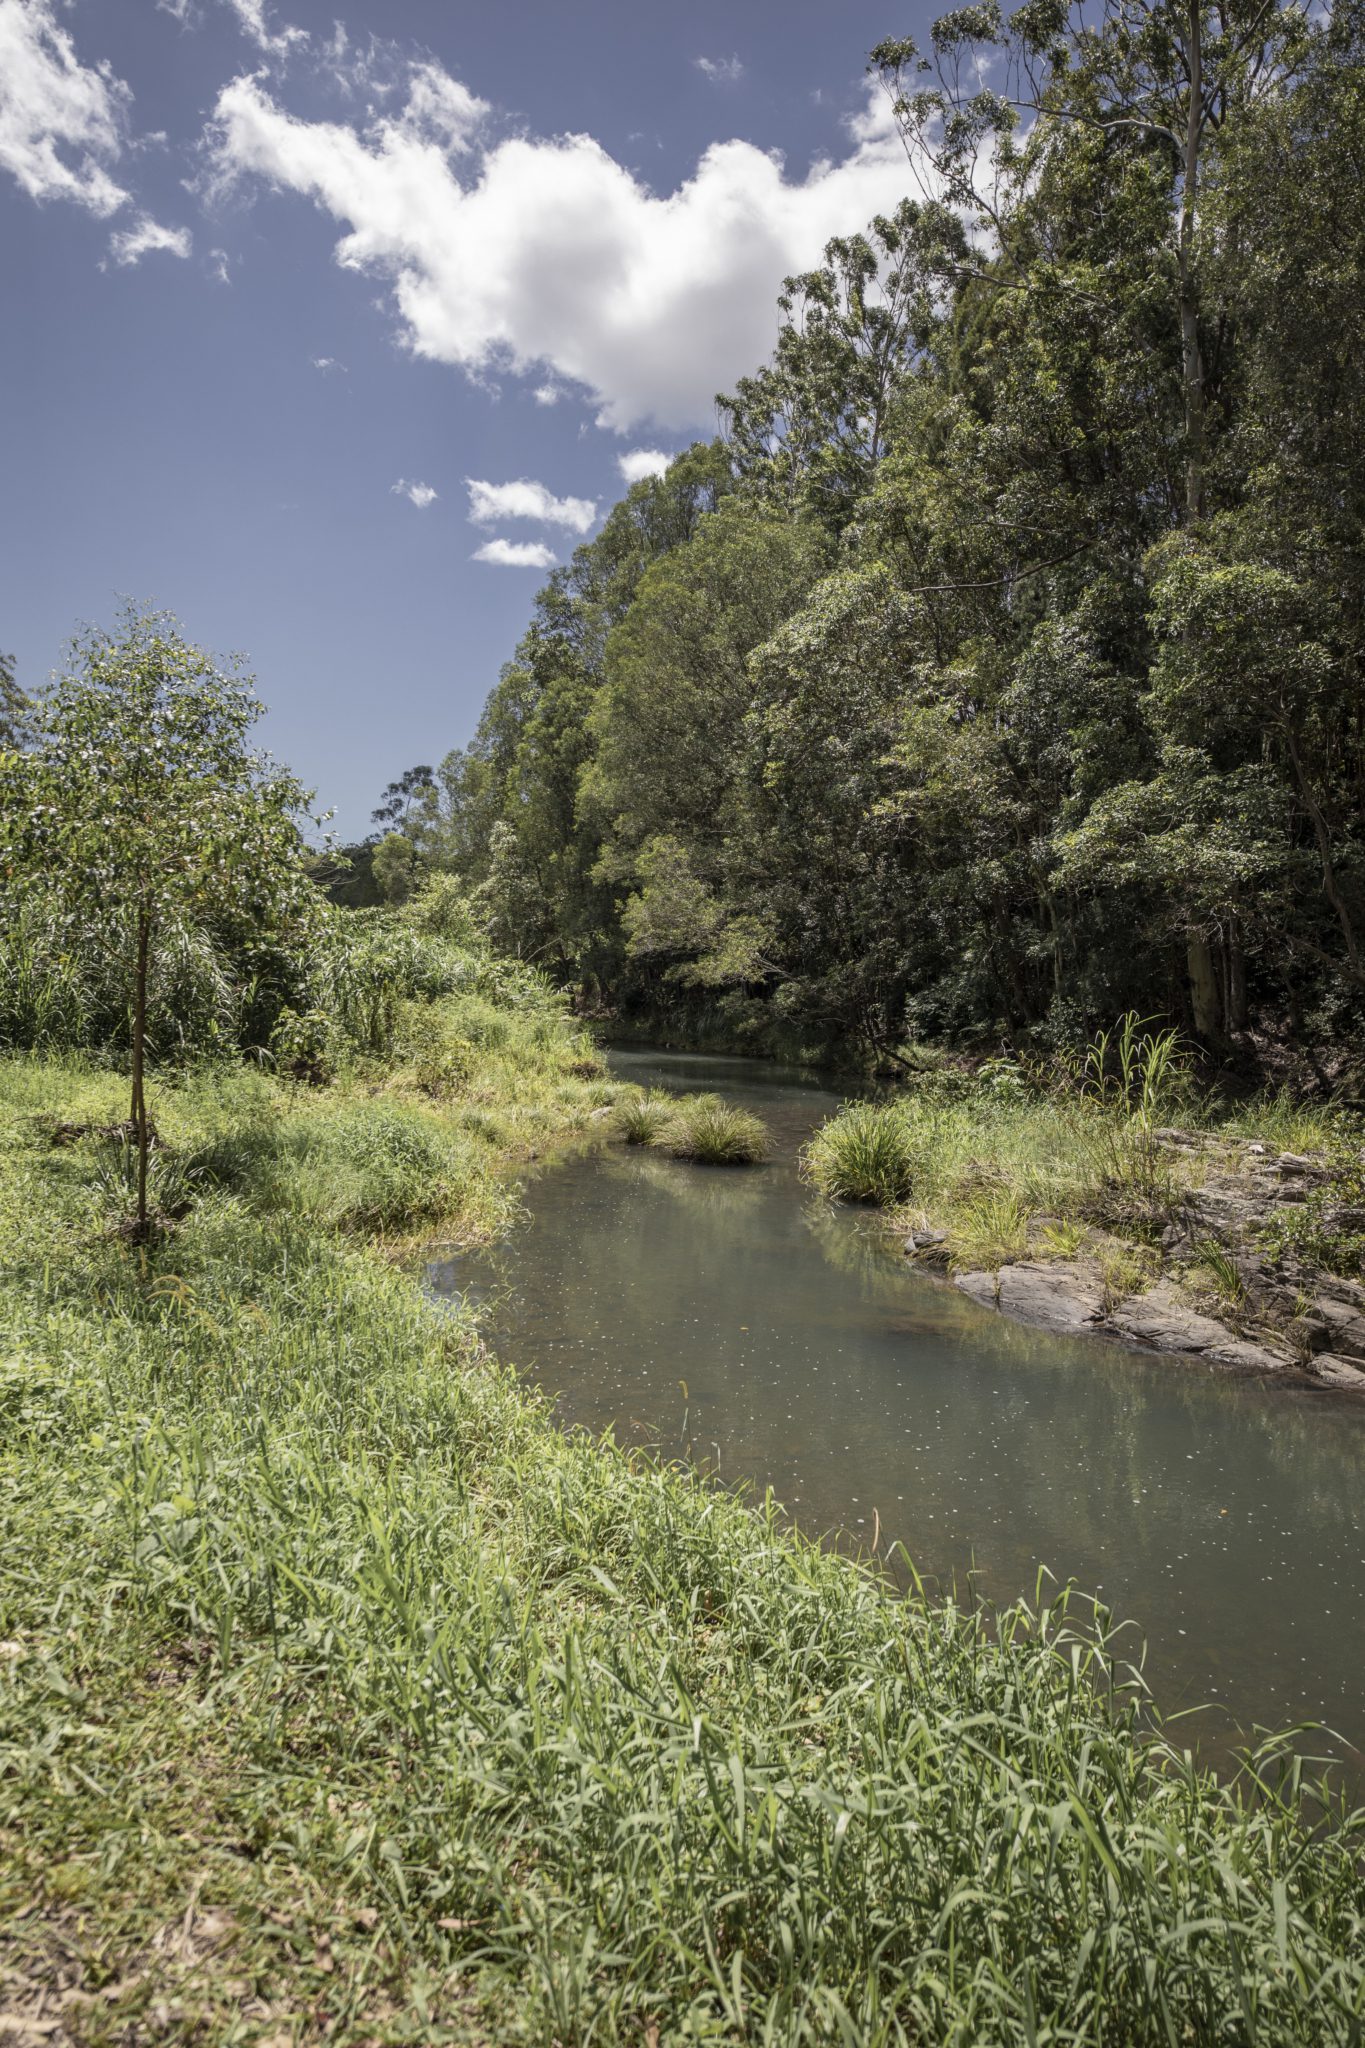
[{"x": 866, "y": 1153}]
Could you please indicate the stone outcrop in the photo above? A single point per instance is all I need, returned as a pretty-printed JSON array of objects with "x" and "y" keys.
[
  {"x": 1071, "y": 1298},
  {"x": 1306, "y": 1325},
  {"x": 1162, "y": 1320}
]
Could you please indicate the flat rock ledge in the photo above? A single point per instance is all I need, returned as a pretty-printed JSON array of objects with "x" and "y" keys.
[{"x": 1068, "y": 1297}]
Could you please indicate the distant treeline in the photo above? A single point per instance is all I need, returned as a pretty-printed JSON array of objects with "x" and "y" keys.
[{"x": 999, "y": 666}]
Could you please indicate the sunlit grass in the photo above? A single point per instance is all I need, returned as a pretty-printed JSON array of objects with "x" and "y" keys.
[
  {"x": 868, "y": 1153},
  {"x": 712, "y": 1132},
  {"x": 697, "y": 1127},
  {"x": 320, "y": 1635}
]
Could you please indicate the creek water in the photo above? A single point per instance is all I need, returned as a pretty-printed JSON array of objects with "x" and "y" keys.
[{"x": 728, "y": 1316}]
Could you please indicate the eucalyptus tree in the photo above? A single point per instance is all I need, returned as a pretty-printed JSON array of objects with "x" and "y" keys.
[
  {"x": 988, "y": 109},
  {"x": 13, "y": 704},
  {"x": 139, "y": 803}
]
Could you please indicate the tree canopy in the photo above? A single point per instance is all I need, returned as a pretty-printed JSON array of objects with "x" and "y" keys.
[{"x": 1002, "y": 664}]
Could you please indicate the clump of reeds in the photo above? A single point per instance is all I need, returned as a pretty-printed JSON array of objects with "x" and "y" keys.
[
  {"x": 865, "y": 1154},
  {"x": 641, "y": 1117},
  {"x": 713, "y": 1133}
]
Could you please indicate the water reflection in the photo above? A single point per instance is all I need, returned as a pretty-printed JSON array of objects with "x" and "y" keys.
[{"x": 726, "y": 1315}]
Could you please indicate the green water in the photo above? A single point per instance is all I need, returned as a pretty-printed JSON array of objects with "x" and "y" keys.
[{"x": 726, "y": 1315}]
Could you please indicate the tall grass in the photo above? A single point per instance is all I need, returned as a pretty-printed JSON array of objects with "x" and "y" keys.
[
  {"x": 713, "y": 1133},
  {"x": 319, "y": 1636},
  {"x": 696, "y": 1127},
  {"x": 641, "y": 1116},
  {"x": 868, "y": 1153}
]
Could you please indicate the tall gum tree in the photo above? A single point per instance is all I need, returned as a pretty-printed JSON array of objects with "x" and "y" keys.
[{"x": 993, "y": 100}]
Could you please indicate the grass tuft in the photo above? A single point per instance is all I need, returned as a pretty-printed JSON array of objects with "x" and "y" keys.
[
  {"x": 642, "y": 1116},
  {"x": 712, "y": 1133},
  {"x": 867, "y": 1153}
]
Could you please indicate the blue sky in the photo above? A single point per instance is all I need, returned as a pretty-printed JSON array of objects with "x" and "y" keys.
[{"x": 285, "y": 286}]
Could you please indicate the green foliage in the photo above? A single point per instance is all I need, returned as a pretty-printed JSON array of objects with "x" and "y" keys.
[
  {"x": 1132, "y": 1081},
  {"x": 314, "y": 1620},
  {"x": 14, "y": 705},
  {"x": 639, "y": 1118},
  {"x": 712, "y": 1132},
  {"x": 1327, "y": 1229},
  {"x": 394, "y": 866},
  {"x": 140, "y": 807},
  {"x": 867, "y": 1153},
  {"x": 1000, "y": 672}
]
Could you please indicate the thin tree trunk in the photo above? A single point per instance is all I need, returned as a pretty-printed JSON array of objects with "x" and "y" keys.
[
  {"x": 1237, "y": 980},
  {"x": 1322, "y": 834},
  {"x": 1203, "y": 987},
  {"x": 139, "y": 1103},
  {"x": 1192, "y": 354}
]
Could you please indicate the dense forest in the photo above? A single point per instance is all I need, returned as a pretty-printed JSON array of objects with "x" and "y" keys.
[{"x": 999, "y": 665}]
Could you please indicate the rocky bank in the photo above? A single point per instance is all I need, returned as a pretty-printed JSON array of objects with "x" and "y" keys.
[{"x": 1282, "y": 1318}]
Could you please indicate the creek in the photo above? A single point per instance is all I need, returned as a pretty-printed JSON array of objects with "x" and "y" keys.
[{"x": 729, "y": 1317}]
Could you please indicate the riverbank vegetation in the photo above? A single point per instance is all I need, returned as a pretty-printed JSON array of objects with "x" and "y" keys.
[
  {"x": 999, "y": 668},
  {"x": 1118, "y": 1166},
  {"x": 697, "y": 1127},
  {"x": 343, "y": 1697}
]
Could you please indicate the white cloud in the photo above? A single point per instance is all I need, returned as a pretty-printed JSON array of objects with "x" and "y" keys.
[
  {"x": 527, "y": 500},
  {"x": 130, "y": 245},
  {"x": 547, "y": 394},
  {"x": 546, "y": 256},
  {"x": 61, "y": 121},
  {"x": 515, "y": 554},
  {"x": 720, "y": 70},
  {"x": 642, "y": 462},
  {"x": 421, "y": 495},
  {"x": 327, "y": 364},
  {"x": 251, "y": 19},
  {"x": 220, "y": 266}
]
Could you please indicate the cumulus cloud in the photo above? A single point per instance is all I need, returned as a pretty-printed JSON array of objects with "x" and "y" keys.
[
  {"x": 546, "y": 256},
  {"x": 421, "y": 495},
  {"x": 251, "y": 19},
  {"x": 547, "y": 394},
  {"x": 327, "y": 364},
  {"x": 637, "y": 463},
  {"x": 720, "y": 70},
  {"x": 527, "y": 500},
  {"x": 130, "y": 245},
  {"x": 61, "y": 121},
  {"x": 515, "y": 554}
]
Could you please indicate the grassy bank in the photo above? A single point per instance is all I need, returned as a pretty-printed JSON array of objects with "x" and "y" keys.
[
  {"x": 343, "y": 1698},
  {"x": 1135, "y": 1174}
]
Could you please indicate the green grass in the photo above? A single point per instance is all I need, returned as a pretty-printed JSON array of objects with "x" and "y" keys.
[
  {"x": 1076, "y": 1167},
  {"x": 702, "y": 1128},
  {"x": 712, "y": 1132},
  {"x": 641, "y": 1116},
  {"x": 344, "y": 1698},
  {"x": 868, "y": 1153}
]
